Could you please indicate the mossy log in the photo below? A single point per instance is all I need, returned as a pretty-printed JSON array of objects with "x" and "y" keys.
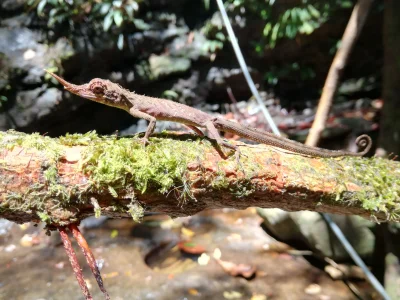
[{"x": 62, "y": 180}]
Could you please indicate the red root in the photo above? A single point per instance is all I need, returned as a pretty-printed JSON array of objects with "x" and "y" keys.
[
  {"x": 89, "y": 257},
  {"x": 74, "y": 263}
]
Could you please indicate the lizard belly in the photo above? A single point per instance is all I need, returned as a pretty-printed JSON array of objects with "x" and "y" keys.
[{"x": 178, "y": 113}]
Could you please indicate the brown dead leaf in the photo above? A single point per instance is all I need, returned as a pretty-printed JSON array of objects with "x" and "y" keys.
[
  {"x": 191, "y": 248},
  {"x": 246, "y": 271}
]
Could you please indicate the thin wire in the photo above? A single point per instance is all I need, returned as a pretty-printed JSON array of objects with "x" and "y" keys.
[
  {"x": 245, "y": 70},
  {"x": 332, "y": 225},
  {"x": 357, "y": 259}
]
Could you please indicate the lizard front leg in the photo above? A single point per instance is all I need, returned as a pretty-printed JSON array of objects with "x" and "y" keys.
[{"x": 152, "y": 123}]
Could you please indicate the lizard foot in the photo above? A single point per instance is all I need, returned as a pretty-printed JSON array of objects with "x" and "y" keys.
[{"x": 144, "y": 141}]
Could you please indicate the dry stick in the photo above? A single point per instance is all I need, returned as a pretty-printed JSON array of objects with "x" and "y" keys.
[
  {"x": 89, "y": 257},
  {"x": 74, "y": 262},
  {"x": 353, "y": 29}
]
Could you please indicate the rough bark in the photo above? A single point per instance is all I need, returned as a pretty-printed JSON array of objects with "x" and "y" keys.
[
  {"x": 390, "y": 121},
  {"x": 60, "y": 181},
  {"x": 353, "y": 30}
]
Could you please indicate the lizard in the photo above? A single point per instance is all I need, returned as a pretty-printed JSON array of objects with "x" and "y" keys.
[{"x": 153, "y": 109}]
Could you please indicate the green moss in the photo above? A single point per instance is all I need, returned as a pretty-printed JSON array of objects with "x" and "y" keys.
[
  {"x": 136, "y": 211},
  {"x": 79, "y": 139},
  {"x": 238, "y": 187},
  {"x": 124, "y": 165},
  {"x": 51, "y": 174},
  {"x": 381, "y": 185},
  {"x": 44, "y": 217}
]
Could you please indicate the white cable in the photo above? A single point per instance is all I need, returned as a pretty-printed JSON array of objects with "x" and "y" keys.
[{"x": 245, "y": 70}]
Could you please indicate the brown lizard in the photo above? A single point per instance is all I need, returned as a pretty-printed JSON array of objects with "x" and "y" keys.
[{"x": 153, "y": 109}]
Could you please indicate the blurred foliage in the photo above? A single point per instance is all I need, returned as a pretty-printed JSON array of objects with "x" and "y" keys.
[
  {"x": 303, "y": 18},
  {"x": 281, "y": 20},
  {"x": 213, "y": 31},
  {"x": 286, "y": 21},
  {"x": 289, "y": 70},
  {"x": 105, "y": 15}
]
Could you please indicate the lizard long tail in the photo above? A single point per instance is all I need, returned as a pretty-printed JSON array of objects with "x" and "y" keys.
[{"x": 363, "y": 142}]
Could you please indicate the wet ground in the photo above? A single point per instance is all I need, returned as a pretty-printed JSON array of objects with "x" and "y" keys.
[{"x": 220, "y": 254}]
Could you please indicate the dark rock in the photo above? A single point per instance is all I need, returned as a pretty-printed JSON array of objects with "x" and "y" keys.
[
  {"x": 194, "y": 50},
  {"x": 16, "y": 21},
  {"x": 10, "y": 5},
  {"x": 191, "y": 91},
  {"x": 220, "y": 79},
  {"x": 34, "y": 104},
  {"x": 27, "y": 56},
  {"x": 309, "y": 228},
  {"x": 163, "y": 65}
]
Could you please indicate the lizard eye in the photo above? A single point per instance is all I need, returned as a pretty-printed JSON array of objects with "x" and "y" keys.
[{"x": 97, "y": 87}]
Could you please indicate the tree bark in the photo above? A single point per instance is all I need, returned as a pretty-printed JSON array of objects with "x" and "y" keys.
[
  {"x": 60, "y": 181},
  {"x": 353, "y": 30},
  {"x": 390, "y": 120}
]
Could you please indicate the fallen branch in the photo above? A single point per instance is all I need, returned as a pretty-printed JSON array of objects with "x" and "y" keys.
[{"x": 60, "y": 181}]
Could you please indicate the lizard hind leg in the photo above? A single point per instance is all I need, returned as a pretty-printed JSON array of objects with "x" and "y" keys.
[
  {"x": 195, "y": 129},
  {"x": 214, "y": 134}
]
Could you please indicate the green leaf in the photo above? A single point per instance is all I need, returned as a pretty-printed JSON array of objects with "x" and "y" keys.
[
  {"x": 170, "y": 94},
  {"x": 105, "y": 8},
  {"x": 141, "y": 25},
  {"x": 220, "y": 36},
  {"x": 118, "y": 18},
  {"x": 117, "y": 3},
  {"x": 294, "y": 15},
  {"x": 206, "y": 4},
  {"x": 41, "y": 6},
  {"x": 267, "y": 29},
  {"x": 275, "y": 31},
  {"x": 346, "y": 4},
  {"x": 306, "y": 28},
  {"x": 129, "y": 11},
  {"x": 304, "y": 15},
  {"x": 285, "y": 16},
  {"x": 135, "y": 6},
  {"x": 313, "y": 11},
  {"x": 120, "y": 43},
  {"x": 108, "y": 21},
  {"x": 291, "y": 31},
  {"x": 114, "y": 233},
  {"x": 53, "y": 12}
]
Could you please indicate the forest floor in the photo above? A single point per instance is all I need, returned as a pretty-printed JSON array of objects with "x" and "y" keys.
[{"x": 217, "y": 254}]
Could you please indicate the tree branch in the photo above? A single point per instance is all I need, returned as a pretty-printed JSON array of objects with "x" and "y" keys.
[{"x": 60, "y": 181}]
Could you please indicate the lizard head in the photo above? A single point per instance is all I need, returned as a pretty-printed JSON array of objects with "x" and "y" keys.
[{"x": 98, "y": 90}]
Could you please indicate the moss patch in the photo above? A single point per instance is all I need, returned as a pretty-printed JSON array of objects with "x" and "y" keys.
[
  {"x": 124, "y": 164},
  {"x": 381, "y": 185}
]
